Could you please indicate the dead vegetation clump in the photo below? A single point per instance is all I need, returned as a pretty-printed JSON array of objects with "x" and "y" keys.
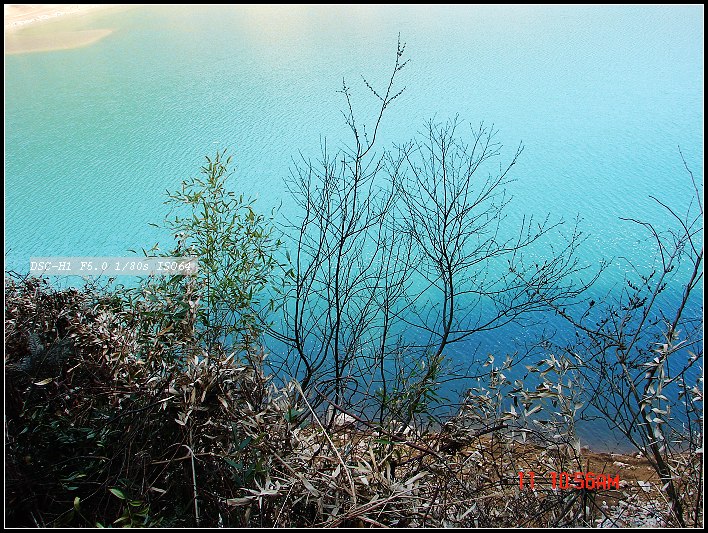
[{"x": 106, "y": 426}]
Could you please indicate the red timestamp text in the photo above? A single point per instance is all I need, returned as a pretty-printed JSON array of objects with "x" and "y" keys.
[{"x": 577, "y": 480}]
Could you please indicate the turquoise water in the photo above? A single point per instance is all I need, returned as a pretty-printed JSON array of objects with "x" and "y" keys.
[{"x": 600, "y": 96}]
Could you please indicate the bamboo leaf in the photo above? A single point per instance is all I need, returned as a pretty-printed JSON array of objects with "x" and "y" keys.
[{"x": 117, "y": 493}]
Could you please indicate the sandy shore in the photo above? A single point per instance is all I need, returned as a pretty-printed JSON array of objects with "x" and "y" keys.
[{"x": 21, "y": 15}]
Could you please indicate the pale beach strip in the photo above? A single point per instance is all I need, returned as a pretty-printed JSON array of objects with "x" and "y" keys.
[{"x": 19, "y": 17}]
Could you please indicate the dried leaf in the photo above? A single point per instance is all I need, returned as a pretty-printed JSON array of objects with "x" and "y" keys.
[{"x": 240, "y": 501}]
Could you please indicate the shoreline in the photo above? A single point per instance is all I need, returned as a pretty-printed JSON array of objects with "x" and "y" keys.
[
  {"x": 19, "y": 16},
  {"x": 51, "y": 43}
]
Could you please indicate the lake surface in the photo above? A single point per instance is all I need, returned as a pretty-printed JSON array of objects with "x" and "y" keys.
[{"x": 602, "y": 97}]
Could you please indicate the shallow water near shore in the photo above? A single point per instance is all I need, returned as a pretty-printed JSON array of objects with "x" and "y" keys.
[
  {"x": 60, "y": 41},
  {"x": 602, "y": 97}
]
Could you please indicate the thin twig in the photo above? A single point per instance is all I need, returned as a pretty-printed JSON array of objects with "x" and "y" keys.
[
  {"x": 324, "y": 431},
  {"x": 194, "y": 479}
]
